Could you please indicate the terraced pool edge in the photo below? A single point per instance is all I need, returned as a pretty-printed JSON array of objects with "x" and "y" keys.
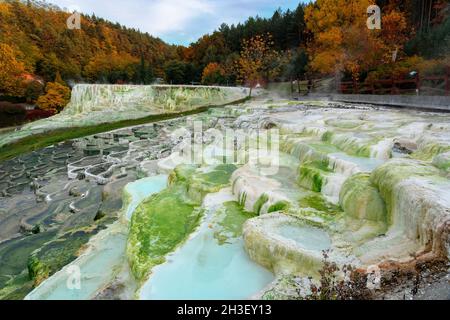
[{"x": 42, "y": 140}]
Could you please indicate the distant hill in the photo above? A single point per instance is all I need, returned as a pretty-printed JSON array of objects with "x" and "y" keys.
[{"x": 101, "y": 51}]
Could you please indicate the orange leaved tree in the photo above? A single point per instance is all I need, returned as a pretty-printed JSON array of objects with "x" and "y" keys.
[
  {"x": 258, "y": 61},
  {"x": 342, "y": 41},
  {"x": 57, "y": 96},
  {"x": 213, "y": 74},
  {"x": 11, "y": 71}
]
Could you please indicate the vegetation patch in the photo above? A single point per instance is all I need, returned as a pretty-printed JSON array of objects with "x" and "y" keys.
[
  {"x": 158, "y": 226},
  {"x": 318, "y": 202},
  {"x": 311, "y": 177},
  {"x": 14, "y": 254},
  {"x": 165, "y": 220},
  {"x": 278, "y": 206},
  {"x": 56, "y": 254},
  {"x": 388, "y": 175},
  {"x": 262, "y": 200},
  {"x": 361, "y": 200},
  {"x": 230, "y": 220},
  {"x": 428, "y": 152}
]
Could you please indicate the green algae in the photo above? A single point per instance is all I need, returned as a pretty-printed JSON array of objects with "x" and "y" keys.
[
  {"x": 220, "y": 175},
  {"x": 352, "y": 148},
  {"x": 165, "y": 220},
  {"x": 317, "y": 202},
  {"x": 200, "y": 184},
  {"x": 243, "y": 198},
  {"x": 37, "y": 271},
  {"x": 262, "y": 200},
  {"x": 311, "y": 177},
  {"x": 182, "y": 173},
  {"x": 309, "y": 150},
  {"x": 17, "y": 288},
  {"x": 442, "y": 161},
  {"x": 14, "y": 278},
  {"x": 279, "y": 206},
  {"x": 323, "y": 147},
  {"x": 428, "y": 152},
  {"x": 230, "y": 219},
  {"x": 388, "y": 175},
  {"x": 327, "y": 136},
  {"x": 159, "y": 225},
  {"x": 55, "y": 254},
  {"x": 345, "y": 124},
  {"x": 348, "y": 144},
  {"x": 360, "y": 199},
  {"x": 277, "y": 253},
  {"x": 315, "y": 210}
]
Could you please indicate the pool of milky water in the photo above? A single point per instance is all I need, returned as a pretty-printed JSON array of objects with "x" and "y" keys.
[
  {"x": 309, "y": 238},
  {"x": 203, "y": 269},
  {"x": 96, "y": 269}
]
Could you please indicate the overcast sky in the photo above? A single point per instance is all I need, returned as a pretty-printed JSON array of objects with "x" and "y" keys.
[{"x": 177, "y": 21}]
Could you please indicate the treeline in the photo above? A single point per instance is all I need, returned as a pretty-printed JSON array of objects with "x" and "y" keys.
[
  {"x": 212, "y": 59},
  {"x": 319, "y": 39},
  {"x": 324, "y": 38}
]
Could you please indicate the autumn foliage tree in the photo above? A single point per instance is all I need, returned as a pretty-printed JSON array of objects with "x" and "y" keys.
[
  {"x": 258, "y": 60},
  {"x": 57, "y": 96},
  {"x": 113, "y": 67},
  {"x": 102, "y": 51},
  {"x": 11, "y": 71},
  {"x": 342, "y": 42},
  {"x": 213, "y": 74}
]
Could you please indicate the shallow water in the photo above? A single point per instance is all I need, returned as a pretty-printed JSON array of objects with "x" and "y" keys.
[
  {"x": 202, "y": 269},
  {"x": 365, "y": 164},
  {"x": 307, "y": 237},
  {"x": 97, "y": 267}
]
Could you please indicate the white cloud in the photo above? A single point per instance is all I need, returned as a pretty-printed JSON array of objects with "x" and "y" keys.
[
  {"x": 157, "y": 17},
  {"x": 175, "y": 15},
  {"x": 176, "y": 21}
]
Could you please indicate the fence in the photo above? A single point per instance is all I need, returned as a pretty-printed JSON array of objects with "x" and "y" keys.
[
  {"x": 434, "y": 85},
  {"x": 437, "y": 85}
]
